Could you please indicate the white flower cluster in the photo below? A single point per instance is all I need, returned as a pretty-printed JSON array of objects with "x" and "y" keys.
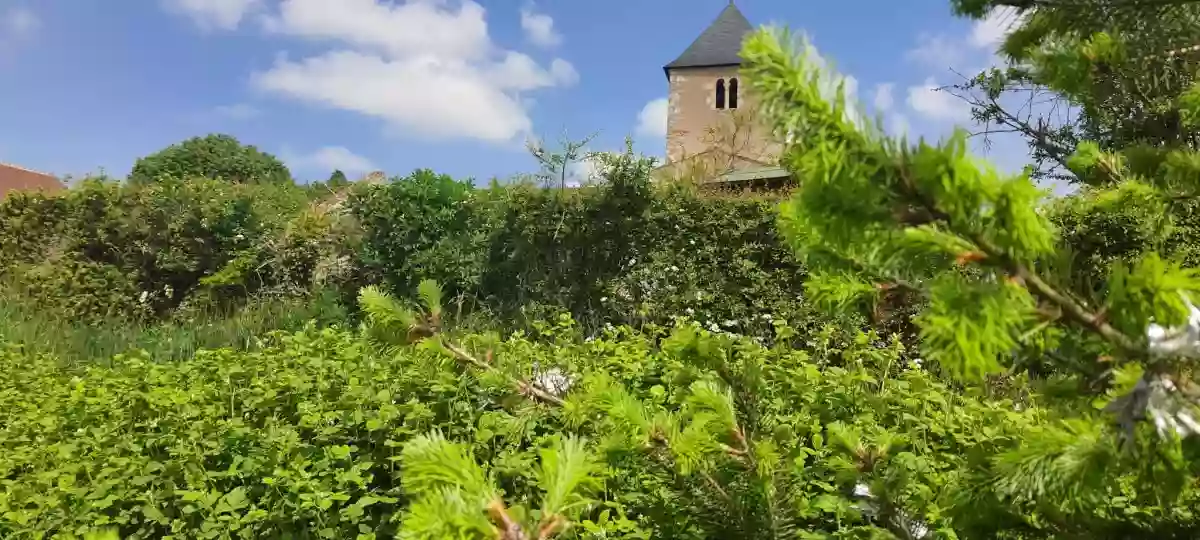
[
  {"x": 1168, "y": 410},
  {"x": 552, "y": 380},
  {"x": 915, "y": 527},
  {"x": 146, "y": 296},
  {"x": 1157, "y": 397},
  {"x": 1179, "y": 341}
]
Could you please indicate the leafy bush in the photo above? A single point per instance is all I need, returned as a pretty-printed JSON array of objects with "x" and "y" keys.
[
  {"x": 314, "y": 435},
  {"x": 215, "y": 156},
  {"x": 332, "y": 434},
  {"x": 621, "y": 252},
  {"x": 424, "y": 224},
  {"x": 104, "y": 249}
]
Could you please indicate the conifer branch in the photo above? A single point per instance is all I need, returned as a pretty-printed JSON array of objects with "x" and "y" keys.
[
  {"x": 1060, "y": 4},
  {"x": 712, "y": 482},
  {"x": 551, "y": 526},
  {"x": 1073, "y": 309},
  {"x": 885, "y": 282},
  {"x": 742, "y": 454},
  {"x": 509, "y": 528},
  {"x": 1031, "y": 280},
  {"x": 523, "y": 387}
]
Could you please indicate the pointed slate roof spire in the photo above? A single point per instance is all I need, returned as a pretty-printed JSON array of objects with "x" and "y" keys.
[{"x": 719, "y": 44}]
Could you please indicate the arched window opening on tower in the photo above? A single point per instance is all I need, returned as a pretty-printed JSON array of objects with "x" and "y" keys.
[
  {"x": 733, "y": 87},
  {"x": 720, "y": 93}
]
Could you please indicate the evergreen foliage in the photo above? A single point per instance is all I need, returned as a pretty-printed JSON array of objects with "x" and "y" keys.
[{"x": 875, "y": 213}]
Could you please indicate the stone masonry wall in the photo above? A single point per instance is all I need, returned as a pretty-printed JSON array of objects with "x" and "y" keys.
[{"x": 692, "y": 112}]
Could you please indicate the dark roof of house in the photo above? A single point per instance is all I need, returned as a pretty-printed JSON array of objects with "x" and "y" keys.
[
  {"x": 719, "y": 45},
  {"x": 14, "y": 178}
]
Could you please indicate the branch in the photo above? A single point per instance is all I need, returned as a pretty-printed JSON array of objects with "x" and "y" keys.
[
  {"x": 551, "y": 526},
  {"x": 1037, "y": 135},
  {"x": 712, "y": 482},
  {"x": 522, "y": 386},
  {"x": 1070, "y": 307},
  {"x": 1085, "y": 4},
  {"x": 509, "y": 528}
]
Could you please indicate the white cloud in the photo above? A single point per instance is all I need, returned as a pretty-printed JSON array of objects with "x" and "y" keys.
[
  {"x": 440, "y": 98},
  {"x": 214, "y": 14},
  {"x": 937, "y": 105},
  {"x": 652, "y": 119},
  {"x": 830, "y": 79},
  {"x": 18, "y": 23},
  {"x": 990, "y": 31},
  {"x": 237, "y": 111},
  {"x": 850, "y": 87},
  {"x": 937, "y": 52},
  {"x": 563, "y": 72},
  {"x": 962, "y": 53},
  {"x": 895, "y": 122},
  {"x": 585, "y": 171},
  {"x": 539, "y": 28},
  {"x": 417, "y": 27},
  {"x": 426, "y": 67},
  {"x": 883, "y": 97},
  {"x": 854, "y": 108},
  {"x": 329, "y": 159}
]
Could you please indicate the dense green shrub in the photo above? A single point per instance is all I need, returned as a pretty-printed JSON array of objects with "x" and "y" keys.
[
  {"x": 325, "y": 433},
  {"x": 214, "y": 156},
  {"x": 620, "y": 252},
  {"x": 105, "y": 249},
  {"x": 425, "y": 224},
  {"x": 1101, "y": 229},
  {"x": 31, "y": 225},
  {"x": 316, "y": 249},
  {"x": 304, "y": 436}
]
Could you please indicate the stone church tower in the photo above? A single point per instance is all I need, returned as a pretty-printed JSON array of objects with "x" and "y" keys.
[{"x": 713, "y": 134}]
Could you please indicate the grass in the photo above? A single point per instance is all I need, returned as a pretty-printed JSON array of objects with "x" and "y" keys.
[{"x": 21, "y": 323}]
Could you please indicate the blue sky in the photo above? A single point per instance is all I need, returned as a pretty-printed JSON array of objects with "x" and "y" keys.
[{"x": 452, "y": 85}]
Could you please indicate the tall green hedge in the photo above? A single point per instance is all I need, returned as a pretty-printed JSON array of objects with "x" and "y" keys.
[
  {"x": 106, "y": 249},
  {"x": 623, "y": 252}
]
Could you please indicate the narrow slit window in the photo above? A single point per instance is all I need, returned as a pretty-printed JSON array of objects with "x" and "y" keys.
[
  {"x": 720, "y": 93},
  {"x": 733, "y": 91}
]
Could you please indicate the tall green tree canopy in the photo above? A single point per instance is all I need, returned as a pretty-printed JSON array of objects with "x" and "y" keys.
[
  {"x": 213, "y": 156},
  {"x": 1120, "y": 65},
  {"x": 337, "y": 179}
]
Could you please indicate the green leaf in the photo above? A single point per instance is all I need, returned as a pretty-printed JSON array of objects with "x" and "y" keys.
[
  {"x": 431, "y": 296},
  {"x": 970, "y": 325},
  {"x": 568, "y": 475}
]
